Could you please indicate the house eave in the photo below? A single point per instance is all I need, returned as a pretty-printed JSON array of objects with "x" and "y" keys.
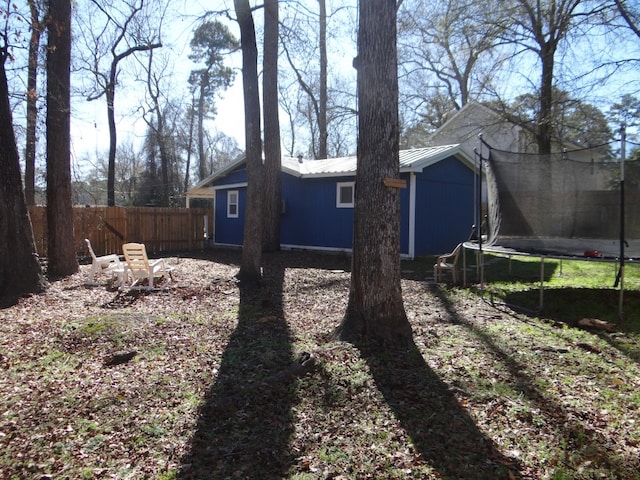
[
  {"x": 206, "y": 182},
  {"x": 349, "y": 173},
  {"x": 415, "y": 166},
  {"x": 458, "y": 151}
]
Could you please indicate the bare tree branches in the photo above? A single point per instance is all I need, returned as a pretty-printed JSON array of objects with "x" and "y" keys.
[
  {"x": 632, "y": 18},
  {"x": 127, "y": 33}
]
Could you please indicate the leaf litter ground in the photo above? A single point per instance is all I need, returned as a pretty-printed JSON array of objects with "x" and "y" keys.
[{"x": 206, "y": 380}]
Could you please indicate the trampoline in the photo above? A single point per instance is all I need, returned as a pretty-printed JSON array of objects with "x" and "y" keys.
[{"x": 567, "y": 205}]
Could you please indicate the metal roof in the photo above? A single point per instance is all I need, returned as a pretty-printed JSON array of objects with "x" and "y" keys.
[
  {"x": 319, "y": 168},
  {"x": 414, "y": 160},
  {"x": 417, "y": 159}
]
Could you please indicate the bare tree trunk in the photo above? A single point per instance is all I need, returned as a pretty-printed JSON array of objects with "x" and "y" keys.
[
  {"x": 545, "y": 115},
  {"x": 251, "y": 263},
  {"x": 153, "y": 89},
  {"x": 631, "y": 20},
  {"x": 32, "y": 105},
  {"x": 20, "y": 271},
  {"x": 272, "y": 153},
  {"x": 319, "y": 99},
  {"x": 110, "y": 88},
  {"x": 323, "y": 135},
  {"x": 61, "y": 252},
  {"x": 375, "y": 311},
  {"x": 164, "y": 160},
  {"x": 164, "y": 154},
  {"x": 113, "y": 136},
  {"x": 202, "y": 161},
  {"x": 546, "y": 24},
  {"x": 189, "y": 147}
]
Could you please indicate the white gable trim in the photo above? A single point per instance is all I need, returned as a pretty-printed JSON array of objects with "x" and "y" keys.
[
  {"x": 412, "y": 215},
  {"x": 229, "y": 186}
]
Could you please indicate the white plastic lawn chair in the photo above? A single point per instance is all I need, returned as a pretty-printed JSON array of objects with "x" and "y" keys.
[
  {"x": 98, "y": 264},
  {"x": 447, "y": 262},
  {"x": 139, "y": 267}
]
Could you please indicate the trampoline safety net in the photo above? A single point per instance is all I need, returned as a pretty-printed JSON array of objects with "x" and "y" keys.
[{"x": 564, "y": 203}]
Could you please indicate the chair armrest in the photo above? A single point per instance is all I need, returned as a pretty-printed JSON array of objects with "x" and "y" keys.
[{"x": 442, "y": 258}]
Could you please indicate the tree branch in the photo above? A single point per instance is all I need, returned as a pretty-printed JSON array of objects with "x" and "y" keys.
[
  {"x": 627, "y": 17},
  {"x": 301, "y": 81},
  {"x": 137, "y": 48}
]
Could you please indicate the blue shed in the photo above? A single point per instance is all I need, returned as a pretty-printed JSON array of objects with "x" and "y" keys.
[{"x": 437, "y": 207}]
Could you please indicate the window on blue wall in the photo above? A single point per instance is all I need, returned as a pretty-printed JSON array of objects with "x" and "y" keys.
[
  {"x": 345, "y": 194},
  {"x": 232, "y": 204}
]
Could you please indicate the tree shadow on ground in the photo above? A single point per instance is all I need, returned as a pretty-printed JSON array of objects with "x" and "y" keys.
[
  {"x": 496, "y": 269},
  {"x": 502, "y": 269},
  {"x": 246, "y": 420},
  {"x": 567, "y": 306},
  {"x": 291, "y": 258},
  {"x": 440, "y": 429},
  {"x": 125, "y": 299},
  {"x": 583, "y": 444}
]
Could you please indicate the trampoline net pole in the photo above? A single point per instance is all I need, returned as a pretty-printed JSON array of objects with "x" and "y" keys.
[
  {"x": 541, "y": 302},
  {"x": 620, "y": 277}
]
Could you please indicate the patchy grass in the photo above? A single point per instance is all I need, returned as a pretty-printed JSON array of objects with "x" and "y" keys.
[
  {"x": 214, "y": 390},
  {"x": 572, "y": 289}
]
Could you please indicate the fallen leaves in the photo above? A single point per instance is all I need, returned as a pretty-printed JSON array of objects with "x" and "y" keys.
[{"x": 204, "y": 384}]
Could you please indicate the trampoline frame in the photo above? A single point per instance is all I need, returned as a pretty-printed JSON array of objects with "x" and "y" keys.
[
  {"x": 511, "y": 252},
  {"x": 480, "y": 246}
]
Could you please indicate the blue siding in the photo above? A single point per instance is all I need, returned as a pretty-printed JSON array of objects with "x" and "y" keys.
[
  {"x": 237, "y": 176},
  {"x": 311, "y": 217},
  {"x": 444, "y": 207},
  {"x": 444, "y": 210},
  {"x": 229, "y": 231}
]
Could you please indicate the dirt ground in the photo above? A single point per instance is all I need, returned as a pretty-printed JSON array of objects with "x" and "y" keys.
[{"x": 201, "y": 379}]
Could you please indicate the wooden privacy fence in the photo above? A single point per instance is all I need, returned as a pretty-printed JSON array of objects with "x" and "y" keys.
[{"x": 160, "y": 229}]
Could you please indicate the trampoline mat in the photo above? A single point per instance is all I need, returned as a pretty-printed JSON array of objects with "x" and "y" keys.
[{"x": 566, "y": 247}]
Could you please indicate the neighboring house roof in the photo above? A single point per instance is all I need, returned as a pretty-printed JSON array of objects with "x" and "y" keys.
[
  {"x": 465, "y": 125},
  {"x": 414, "y": 160}
]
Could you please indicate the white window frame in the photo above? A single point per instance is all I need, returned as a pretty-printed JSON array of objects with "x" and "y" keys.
[
  {"x": 230, "y": 203},
  {"x": 339, "y": 187}
]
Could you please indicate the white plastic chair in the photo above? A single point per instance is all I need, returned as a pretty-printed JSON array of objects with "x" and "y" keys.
[
  {"x": 139, "y": 267},
  {"x": 98, "y": 264},
  {"x": 447, "y": 262}
]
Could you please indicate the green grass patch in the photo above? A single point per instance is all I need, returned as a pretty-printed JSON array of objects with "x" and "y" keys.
[
  {"x": 112, "y": 328},
  {"x": 572, "y": 289}
]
